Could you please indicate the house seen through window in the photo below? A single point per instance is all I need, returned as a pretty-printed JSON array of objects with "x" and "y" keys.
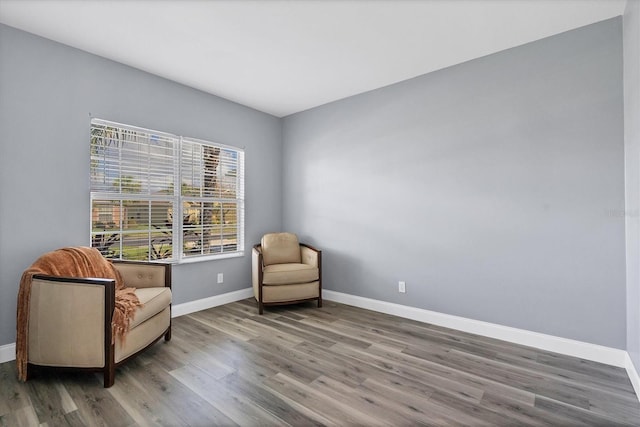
[{"x": 157, "y": 196}]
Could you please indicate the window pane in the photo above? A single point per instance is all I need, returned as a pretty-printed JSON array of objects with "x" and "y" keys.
[
  {"x": 135, "y": 246},
  {"x": 228, "y": 174},
  {"x": 135, "y": 215},
  {"x": 161, "y": 215},
  {"x": 107, "y": 243},
  {"x": 161, "y": 245},
  {"x": 105, "y": 215},
  {"x": 192, "y": 229},
  {"x": 211, "y": 228},
  {"x": 229, "y": 227},
  {"x": 105, "y": 226},
  {"x": 135, "y": 230},
  {"x": 192, "y": 170},
  {"x": 210, "y": 162}
]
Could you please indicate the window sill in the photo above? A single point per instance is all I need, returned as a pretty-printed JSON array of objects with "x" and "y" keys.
[{"x": 194, "y": 259}]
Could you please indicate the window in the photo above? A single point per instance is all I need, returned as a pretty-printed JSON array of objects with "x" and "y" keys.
[{"x": 157, "y": 196}]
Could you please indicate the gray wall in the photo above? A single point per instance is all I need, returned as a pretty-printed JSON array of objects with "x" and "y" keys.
[
  {"x": 631, "y": 44},
  {"x": 494, "y": 188},
  {"x": 47, "y": 91}
]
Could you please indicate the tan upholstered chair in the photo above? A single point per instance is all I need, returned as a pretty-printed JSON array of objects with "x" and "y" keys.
[
  {"x": 81, "y": 336},
  {"x": 285, "y": 271}
]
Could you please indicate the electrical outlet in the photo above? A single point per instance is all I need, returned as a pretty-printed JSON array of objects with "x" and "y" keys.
[
  {"x": 220, "y": 278},
  {"x": 402, "y": 287}
]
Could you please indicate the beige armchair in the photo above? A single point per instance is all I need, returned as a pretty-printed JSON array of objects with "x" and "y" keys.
[
  {"x": 70, "y": 318},
  {"x": 285, "y": 271}
]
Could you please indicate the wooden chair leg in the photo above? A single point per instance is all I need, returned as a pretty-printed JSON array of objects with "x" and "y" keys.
[
  {"x": 260, "y": 307},
  {"x": 167, "y": 336},
  {"x": 109, "y": 360},
  {"x": 109, "y": 375},
  {"x": 320, "y": 302}
]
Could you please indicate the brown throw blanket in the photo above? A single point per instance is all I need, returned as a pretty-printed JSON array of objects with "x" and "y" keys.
[{"x": 71, "y": 262}]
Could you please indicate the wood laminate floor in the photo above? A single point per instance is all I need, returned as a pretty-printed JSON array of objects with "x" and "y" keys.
[{"x": 339, "y": 365}]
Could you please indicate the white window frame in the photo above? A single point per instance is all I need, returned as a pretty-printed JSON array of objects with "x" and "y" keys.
[{"x": 177, "y": 199}]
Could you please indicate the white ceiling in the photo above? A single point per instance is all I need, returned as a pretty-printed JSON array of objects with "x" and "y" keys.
[{"x": 281, "y": 56}]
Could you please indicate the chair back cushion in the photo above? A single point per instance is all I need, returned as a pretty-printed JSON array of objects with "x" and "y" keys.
[{"x": 280, "y": 248}]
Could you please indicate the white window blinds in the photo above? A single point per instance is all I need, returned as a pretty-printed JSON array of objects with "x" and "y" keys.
[{"x": 160, "y": 196}]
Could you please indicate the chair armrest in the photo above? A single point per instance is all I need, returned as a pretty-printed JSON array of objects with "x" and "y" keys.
[
  {"x": 70, "y": 320},
  {"x": 256, "y": 267},
  {"x": 310, "y": 255},
  {"x": 140, "y": 274}
]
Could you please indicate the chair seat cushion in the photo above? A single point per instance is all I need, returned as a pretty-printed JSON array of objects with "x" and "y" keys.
[
  {"x": 287, "y": 274},
  {"x": 140, "y": 337},
  {"x": 153, "y": 300}
]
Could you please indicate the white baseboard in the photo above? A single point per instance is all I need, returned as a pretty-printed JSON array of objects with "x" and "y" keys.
[
  {"x": 594, "y": 352},
  {"x": 214, "y": 301},
  {"x": 7, "y": 352},
  {"x": 633, "y": 375}
]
